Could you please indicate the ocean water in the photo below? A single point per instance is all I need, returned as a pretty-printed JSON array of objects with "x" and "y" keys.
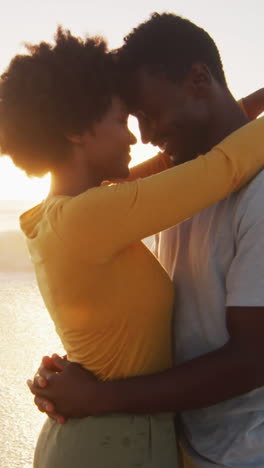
[{"x": 26, "y": 334}]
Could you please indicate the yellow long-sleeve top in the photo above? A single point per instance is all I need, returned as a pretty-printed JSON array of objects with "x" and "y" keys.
[{"x": 110, "y": 299}]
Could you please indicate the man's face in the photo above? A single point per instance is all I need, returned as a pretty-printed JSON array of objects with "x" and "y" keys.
[{"x": 172, "y": 116}]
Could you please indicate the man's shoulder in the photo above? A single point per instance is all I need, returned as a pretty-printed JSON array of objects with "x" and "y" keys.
[
  {"x": 247, "y": 203},
  {"x": 254, "y": 185},
  {"x": 251, "y": 195}
]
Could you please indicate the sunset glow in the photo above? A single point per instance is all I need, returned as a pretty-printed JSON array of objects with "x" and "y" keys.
[
  {"x": 15, "y": 185},
  {"x": 236, "y": 26}
]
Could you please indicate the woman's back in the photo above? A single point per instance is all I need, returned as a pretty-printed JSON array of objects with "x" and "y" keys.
[{"x": 113, "y": 315}]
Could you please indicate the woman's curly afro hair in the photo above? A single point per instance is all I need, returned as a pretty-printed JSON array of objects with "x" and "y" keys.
[{"x": 51, "y": 92}]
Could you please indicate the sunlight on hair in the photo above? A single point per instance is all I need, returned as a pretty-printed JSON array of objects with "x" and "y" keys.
[{"x": 16, "y": 185}]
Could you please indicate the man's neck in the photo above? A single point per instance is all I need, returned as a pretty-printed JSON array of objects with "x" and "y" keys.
[{"x": 226, "y": 118}]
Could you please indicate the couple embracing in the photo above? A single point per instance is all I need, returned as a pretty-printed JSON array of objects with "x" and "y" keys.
[{"x": 115, "y": 305}]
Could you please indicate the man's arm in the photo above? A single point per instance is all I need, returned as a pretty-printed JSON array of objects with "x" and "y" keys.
[
  {"x": 232, "y": 370},
  {"x": 237, "y": 367}
]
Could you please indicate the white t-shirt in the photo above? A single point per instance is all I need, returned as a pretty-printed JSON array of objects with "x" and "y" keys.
[{"x": 216, "y": 260}]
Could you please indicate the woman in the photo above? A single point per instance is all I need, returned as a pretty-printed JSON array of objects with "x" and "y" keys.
[{"x": 110, "y": 299}]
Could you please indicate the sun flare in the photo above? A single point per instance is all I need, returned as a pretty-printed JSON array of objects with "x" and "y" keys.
[{"x": 15, "y": 185}]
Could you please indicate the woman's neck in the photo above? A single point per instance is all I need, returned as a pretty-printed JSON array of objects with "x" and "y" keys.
[{"x": 73, "y": 178}]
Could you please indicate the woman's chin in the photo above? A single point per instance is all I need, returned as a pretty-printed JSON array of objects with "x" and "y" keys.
[{"x": 126, "y": 172}]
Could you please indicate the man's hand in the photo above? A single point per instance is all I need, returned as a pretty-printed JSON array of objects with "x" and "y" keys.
[
  {"x": 49, "y": 366},
  {"x": 62, "y": 389}
]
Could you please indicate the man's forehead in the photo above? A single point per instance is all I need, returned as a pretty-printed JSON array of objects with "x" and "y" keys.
[
  {"x": 144, "y": 78},
  {"x": 153, "y": 90},
  {"x": 142, "y": 85}
]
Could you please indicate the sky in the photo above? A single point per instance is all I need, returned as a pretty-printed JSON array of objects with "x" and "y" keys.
[{"x": 235, "y": 25}]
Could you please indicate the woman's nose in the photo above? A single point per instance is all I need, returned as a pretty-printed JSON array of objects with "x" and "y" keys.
[{"x": 132, "y": 138}]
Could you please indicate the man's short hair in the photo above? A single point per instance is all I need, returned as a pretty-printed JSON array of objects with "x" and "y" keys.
[{"x": 169, "y": 44}]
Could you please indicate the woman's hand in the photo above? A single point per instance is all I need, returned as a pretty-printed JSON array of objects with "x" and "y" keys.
[
  {"x": 254, "y": 104},
  {"x": 62, "y": 389}
]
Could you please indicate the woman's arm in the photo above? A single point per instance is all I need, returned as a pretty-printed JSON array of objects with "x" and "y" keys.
[
  {"x": 253, "y": 104},
  {"x": 109, "y": 219}
]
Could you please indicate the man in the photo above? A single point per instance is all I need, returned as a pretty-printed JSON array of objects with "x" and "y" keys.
[{"x": 175, "y": 85}]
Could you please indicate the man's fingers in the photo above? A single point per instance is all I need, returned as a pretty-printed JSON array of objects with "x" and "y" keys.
[
  {"x": 48, "y": 363},
  {"x": 40, "y": 381},
  {"x": 59, "y": 362},
  {"x": 47, "y": 407},
  {"x": 35, "y": 389},
  {"x": 54, "y": 363},
  {"x": 40, "y": 404},
  {"x": 47, "y": 369},
  {"x": 43, "y": 376},
  {"x": 44, "y": 405}
]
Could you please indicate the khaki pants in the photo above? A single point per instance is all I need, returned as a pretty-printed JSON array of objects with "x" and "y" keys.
[{"x": 112, "y": 441}]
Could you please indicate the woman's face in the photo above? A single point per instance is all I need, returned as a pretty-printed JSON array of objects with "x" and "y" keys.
[{"x": 107, "y": 146}]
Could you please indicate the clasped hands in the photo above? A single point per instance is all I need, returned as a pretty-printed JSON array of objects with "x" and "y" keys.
[{"x": 63, "y": 389}]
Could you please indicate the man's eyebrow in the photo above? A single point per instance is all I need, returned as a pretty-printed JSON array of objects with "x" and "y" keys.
[
  {"x": 124, "y": 112},
  {"x": 141, "y": 113},
  {"x": 133, "y": 109}
]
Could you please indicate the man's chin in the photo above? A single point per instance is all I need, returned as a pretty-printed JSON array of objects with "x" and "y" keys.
[
  {"x": 123, "y": 173},
  {"x": 176, "y": 159},
  {"x": 180, "y": 158},
  {"x": 174, "y": 155}
]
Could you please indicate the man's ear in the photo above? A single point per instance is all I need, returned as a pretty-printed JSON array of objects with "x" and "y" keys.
[{"x": 199, "y": 79}]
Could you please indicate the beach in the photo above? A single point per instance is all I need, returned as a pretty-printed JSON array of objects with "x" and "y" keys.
[{"x": 26, "y": 334}]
